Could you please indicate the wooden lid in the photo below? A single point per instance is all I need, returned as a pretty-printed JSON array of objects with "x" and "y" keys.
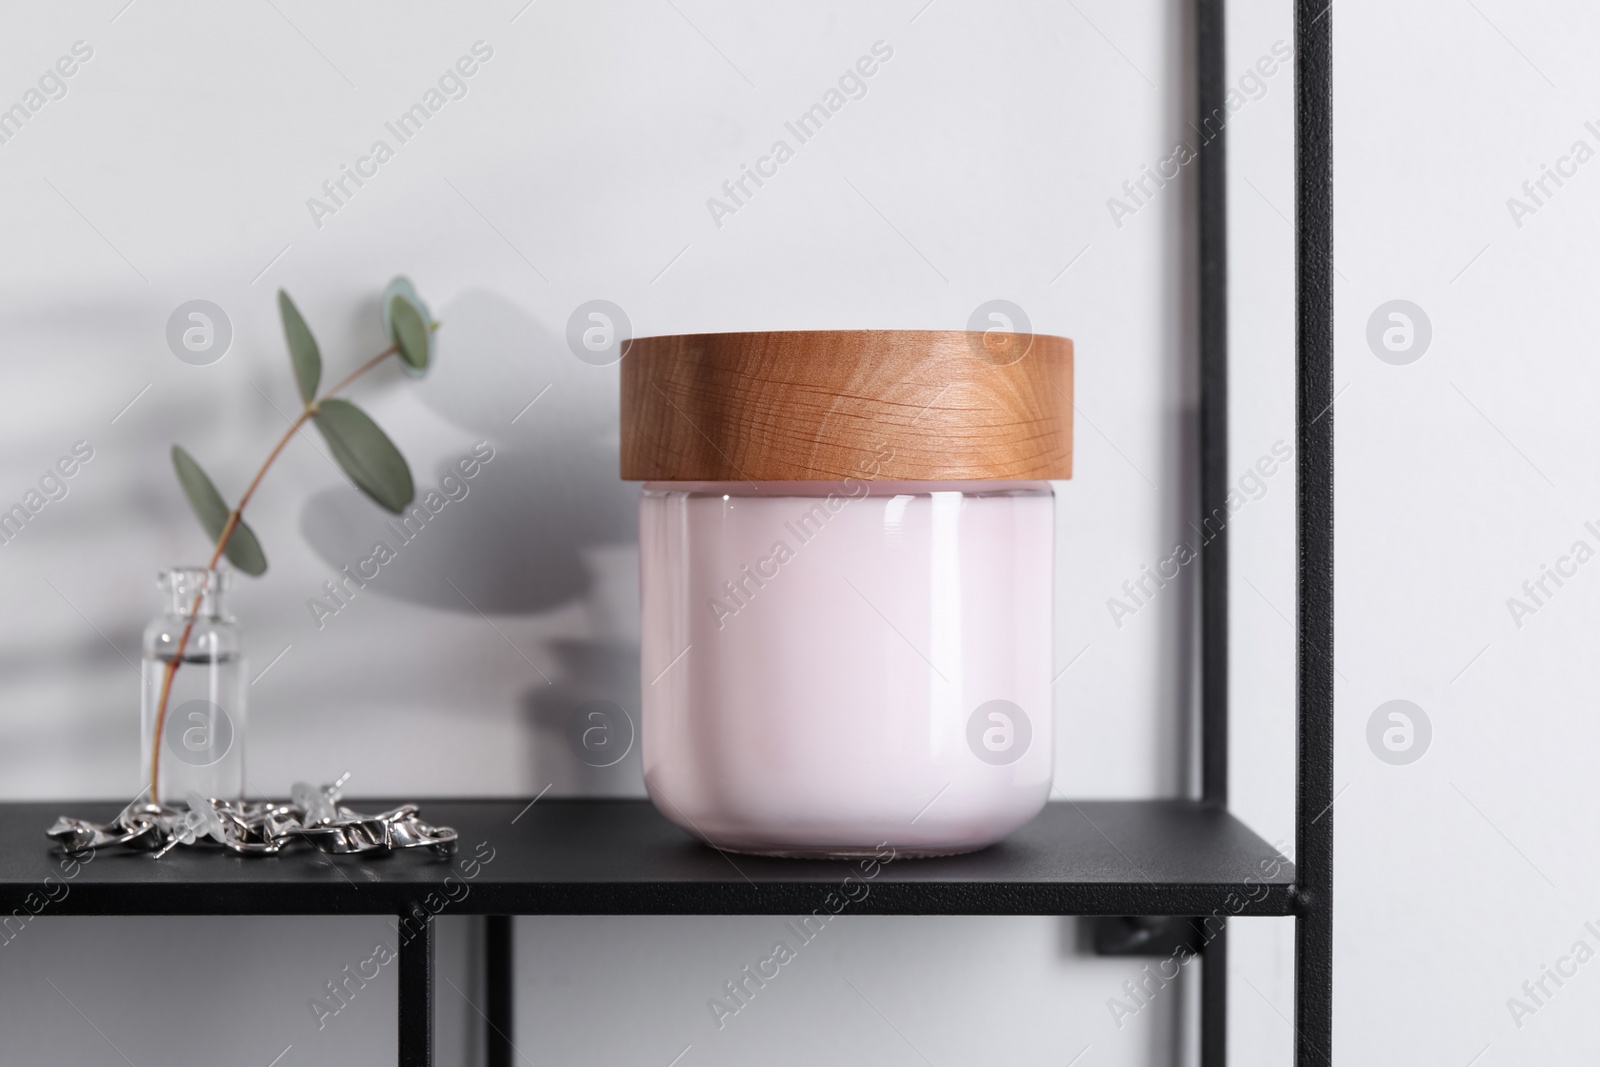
[{"x": 824, "y": 405}]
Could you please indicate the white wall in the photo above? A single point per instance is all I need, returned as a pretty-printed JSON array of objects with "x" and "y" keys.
[
  {"x": 978, "y": 165},
  {"x": 1469, "y": 871}
]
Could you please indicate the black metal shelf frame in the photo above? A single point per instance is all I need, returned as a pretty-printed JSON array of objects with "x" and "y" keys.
[
  {"x": 1310, "y": 896},
  {"x": 1314, "y": 394},
  {"x": 1313, "y": 891},
  {"x": 1127, "y": 861}
]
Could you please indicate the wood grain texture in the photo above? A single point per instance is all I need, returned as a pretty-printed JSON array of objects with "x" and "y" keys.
[{"x": 918, "y": 405}]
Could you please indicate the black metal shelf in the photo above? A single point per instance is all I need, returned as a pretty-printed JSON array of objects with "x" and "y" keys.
[
  {"x": 613, "y": 857},
  {"x": 1188, "y": 859}
]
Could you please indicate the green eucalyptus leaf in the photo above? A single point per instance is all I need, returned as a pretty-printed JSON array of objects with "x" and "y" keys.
[
  {"x": 208, "y": 504},
  {"x": 303, "y": 352},
  {"x": 410, "y": 333},
  {"x": 400, "y": 286},
  {"x": 366, "y": 454},
  {"x": 243, "y": 550}
]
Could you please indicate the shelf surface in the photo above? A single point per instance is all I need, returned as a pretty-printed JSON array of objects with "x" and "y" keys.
[{"x": 597, "y": 857}]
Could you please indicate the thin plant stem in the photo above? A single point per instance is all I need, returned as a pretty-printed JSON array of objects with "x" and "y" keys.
[
  {"x": 216, "y": 555},
  {"x": 358, "y": 372}
]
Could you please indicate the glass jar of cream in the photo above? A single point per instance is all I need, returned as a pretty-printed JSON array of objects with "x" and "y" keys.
[{"x": 847, "y": 558}]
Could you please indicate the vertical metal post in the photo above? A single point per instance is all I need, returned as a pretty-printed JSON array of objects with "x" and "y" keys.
[
  {"x": 1313, "y": 1004},
  {"x": 1214, "y": 1000},
  {"x": 499, "y": 981},
  {"x": 416, "y": 989},
  {"x": 1210, "y": 128},
  {"x": 1213, "y": 177}
]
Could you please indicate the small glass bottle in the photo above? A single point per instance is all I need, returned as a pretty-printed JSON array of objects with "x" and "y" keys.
[{"x": 201, "y": 744}]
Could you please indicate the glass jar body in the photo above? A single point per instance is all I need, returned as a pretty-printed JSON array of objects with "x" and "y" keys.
[
  {"x": 830, "y": 668},
  {"x": 201, "y": 735}
]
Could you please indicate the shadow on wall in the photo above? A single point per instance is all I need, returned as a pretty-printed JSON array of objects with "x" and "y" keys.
[
  {"x": 510, "y": 541},
  {"x": 518, "y": 538},
  {"x": 586, "y": 671}
]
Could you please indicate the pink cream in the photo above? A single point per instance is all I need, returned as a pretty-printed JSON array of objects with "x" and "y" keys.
[{"x": 832, "y": 666}]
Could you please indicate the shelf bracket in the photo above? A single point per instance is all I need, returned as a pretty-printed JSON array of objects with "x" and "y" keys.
[{"x": 1146, "y": 935}]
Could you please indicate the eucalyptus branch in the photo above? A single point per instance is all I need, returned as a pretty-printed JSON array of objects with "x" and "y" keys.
[{"x": 365, "y": 453}]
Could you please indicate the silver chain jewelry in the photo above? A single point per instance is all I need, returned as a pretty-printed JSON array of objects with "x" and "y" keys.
[{"x": 257, "y": 828}]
